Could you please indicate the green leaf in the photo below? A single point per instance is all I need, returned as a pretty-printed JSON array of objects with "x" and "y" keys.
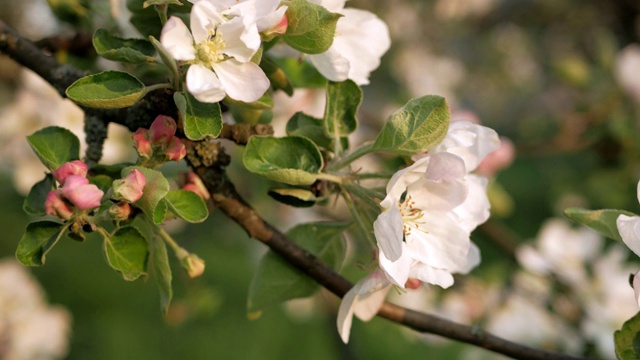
[
  {"x": 627, "y": 339},
  {"x": 161, "y": 271},
  {"x": 602, "y": 221},
  {"x": 132, "y": 51},
  {"x": 277, "y": 77},
  {"x": 160, "y": 213},
  {"x": 187, "y": 205},
  {"x": 301, "y": 73},
  {"x": 311, "y": 27},
  {"x": 107, "y": 90},
  {"x": 276, "y": 281},
  {"x": 201, "y": 120},
  {"x": 160, "y": 2},
  {"x": 416, "y": 127},
  {"x": 264, "y": 103},
  {"x": 126, "y": 252},
  {"x": 34, "y": 203},
  {"x": 55, "y": 146},
  {"x": 146, "y": 20},
  {"x": 154, "y": 191},
  {"x": 343, "y": 100},
  {"x": 302, "y": 124},
  {"x": 293, "y": 160},
  {"x": 38, "y": 239},
  {"x": 294, "y": 197}
]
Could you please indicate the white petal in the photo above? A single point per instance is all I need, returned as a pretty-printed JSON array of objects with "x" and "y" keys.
[
  {"x": 472, "y": 142},
  {"x": 362, "y": 38},
  {"x": 373, "y": 291},
  {"x": 345, "y": 314},
  {"x": 205, "y": 19},
  {"x": 445, "y": 166},
  {"x": 399, "y": 182},
  {"x": 204, "y": 85},
  {"x": 431, "y": 275},
  {"x": 636, "y": 287},
  {"x": 270, "y": 20},
  {"x": 629, "y": 228},
  {"x": 532, "y": 260},
  {"x": 331, "y": 64},
  {"x": 440, "y": 242},
  {"x": 388, "y": 231},
  {"x": 473, "y": 259},
  {"x": 396, "y": 271},
  {"x": 475, "y": 208},
  {"x": 438, "y": 195},
  {"x": 177, "y": 40},
  {"x": 241, "y": 39},
  {"x": 242, "y": 81}
]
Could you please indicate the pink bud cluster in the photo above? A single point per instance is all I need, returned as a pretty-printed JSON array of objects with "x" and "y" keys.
[
  {"x": 75, "y": 192},
  {"x": 126, "y": 191},
  {"x": 159, "y": 141}
]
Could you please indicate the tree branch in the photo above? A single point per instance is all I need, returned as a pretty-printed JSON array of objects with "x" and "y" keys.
[{"x": 208, "y": 160}]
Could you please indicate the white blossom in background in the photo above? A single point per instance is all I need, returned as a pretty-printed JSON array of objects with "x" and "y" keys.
[
  {"x": 562, "y": 250},
  {"x": 629, "y": 228},
  {"x": 626, "y": 70},
  {"x": 360, "y": 40},
  {"x": 219, "y": 51},
  {"x": 29, "y": 327}
]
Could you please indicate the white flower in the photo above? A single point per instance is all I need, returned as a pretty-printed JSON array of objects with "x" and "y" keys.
[
  {"x": 219, "y": 51},
  {"x": 265, "y": 14},
  {"x": 629, "y": 228},
  {"x": 442, "y": 204},
  {"x": 364, "y": 300},
  {"x": 360, "y": 40}
]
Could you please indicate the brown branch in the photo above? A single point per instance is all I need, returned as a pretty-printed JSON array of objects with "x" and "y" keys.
[
  {"x": 209, "y": 161},
  {"x": 240, "y": 133}
]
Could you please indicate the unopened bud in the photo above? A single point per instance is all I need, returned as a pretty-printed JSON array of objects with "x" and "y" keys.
[
  {"x": 55, "y": 205},
  {"x": 192, "y": 182},
  {"x": 162, "y": 130},
  {"x": 130, "y": 188},
  {"x": 175, "y": 150},
  {"x": 193, "y": 264},
  {"x": 142, "y": 143},
  {"x": 412, "y": 284},
  {"x": 120, "y": 211},
  {"x": 75, "y": 167},
  {"x": 80, "y": 193}
]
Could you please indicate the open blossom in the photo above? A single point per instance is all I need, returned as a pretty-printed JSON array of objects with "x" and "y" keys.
[
  {"x": 219, "y": 49},
  {"x": 130, "y": 188},
  {"x": 629, "y": 228},
  {"x": 360, "y": 40},
  {"x": 267, "y": 15}
]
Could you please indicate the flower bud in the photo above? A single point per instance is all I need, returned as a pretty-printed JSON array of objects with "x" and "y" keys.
[
  {"x": 192, "y": 182},
  {"x": 175, "y": 150},
  {"x": 56, "y": 206},
  {"x": 162, "y": 130},
  {"x": 280, "y": 28},
  {"x": 120, "y": 211},
  {"x": 412, "y": 284},
  {"x": 130, "y": 188},
  {"x": 80, "y": 193},
  {"x": 193, "y": 264},
  {"x": 75, "y": 167},
  {"x": 142, "y": 143}
]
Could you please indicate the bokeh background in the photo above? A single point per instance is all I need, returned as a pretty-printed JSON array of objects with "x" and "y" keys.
[{"x": 560, "y": 79}]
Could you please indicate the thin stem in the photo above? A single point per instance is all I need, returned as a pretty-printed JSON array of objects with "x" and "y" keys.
[
  {"x": 372, "y": 176},
  {"x": 162, "y": 12},
  {"x": 362, "y": 227},
  {"x": 180, "y": 252},
  {"x": 154, "y": 87},
  {"x": 363, "y": 150},
  {"x": 330, "y": 177},
  {"x": 365, "y": 195}
]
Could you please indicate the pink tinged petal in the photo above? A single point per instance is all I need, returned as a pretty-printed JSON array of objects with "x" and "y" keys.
[
  {"x": 636, "y": 287},
  {"x": 162, "y": 129},
  {"x": 475, "y": 208},
  {"x": 130, "y": 188},
  {"x": 177, "y": 40},
  {"x": 142, "y": 143},
  {"x": 396, "y": 271},
  {"x": 431, "y": 275},
  {"x": 204, "y": 85},
  {"x": 241, "y": 38},
  {"x": 362, "y": 38},
  {"x": 331, "y": 64},
  {"x": 80, "y": 193},
  {"x": 75, "y": 167},
  {"x": 499, "y": 159},
  {"x": 629, "y": 228},
  {"x": 388, "y": 231},
  {"x": 274, "y": 23},
  {"x": 176, "y": 150},
  {"x": 56, "y": 206},
  {"x": 439, "y": 242},
  {"x": 473, "y": 260},
  {"x": 242, "y": 81},
  {"x": 205, "y": 18}
]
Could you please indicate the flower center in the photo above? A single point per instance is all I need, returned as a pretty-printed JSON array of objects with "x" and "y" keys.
[
  {"x": 410, "y": 215},
  {"x": 209, "y": 52}
]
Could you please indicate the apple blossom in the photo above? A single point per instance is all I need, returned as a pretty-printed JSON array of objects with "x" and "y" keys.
[
  {"x": 120, "y": 211},
  {"x": 75, "y": 167},
  {"x": 130, "y": 188},
  {"x": 219, "y": 51},
  {"x": 142, "y": 143},
  {"x": 80, "y": 193},
  {"x": 360, "y": 40},
  {"x": 175, "y": 150},
  {"x": 629, "y": 228},
  {"x": 193, "y": 264},
  {"x": 158, "y": 143},
  {"x": 192, "y": 182},
  {"x": 55, "y": 205},
  {"x": 162, "y": 130}
]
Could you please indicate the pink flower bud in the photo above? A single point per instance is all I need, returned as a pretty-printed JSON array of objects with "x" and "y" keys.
[
  {"x": 499, "y": 159},
  {"x": 75, "y": 167},
  {"x": 56, "y": 206},
  {"x": 192, "y": 182},
  {"x": 162, "y": 130},
  {"x": 280, "y": 28},
  {"x": 413, "y": 284},
  {"x": 80, "y": 193},
  {"x": 142, "y": 143},
  {"x": 175, "y": 150},
  {"x": 130, "y": 188},
  {"x": 120, "y": 211}
]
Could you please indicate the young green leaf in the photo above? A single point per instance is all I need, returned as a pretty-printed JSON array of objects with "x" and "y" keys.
[
  {"x": 161, "y": 270},
  {"x": 311, "y": 27},
  {"x": 34, "y": 203},
  {"x": 187, "y": 205},
  {"x": 107, "y": 90},
  {"x": 277, "y": 77},
  {"x": 602, "y": 221},
  {"x": 55, "y": 146},
  {"x": 276, "y": 281},
  {"x": 201, "y": 120},
  {"x": 126, "y": 252},
  {"x": 292, "y": 160},
  {"x": 294, "y": 197},
  {"x": 343, "y": 100},
  {"x": 154, "y": 191},
  {"x": 265, "y": 102},
  {"x": 627, "y": 339},
  {"x": 416, "y": 127},
  {"x": 38, "y": 239},
  {"x": 302, "y": 124},
  {"x": 133, "y": 51}
]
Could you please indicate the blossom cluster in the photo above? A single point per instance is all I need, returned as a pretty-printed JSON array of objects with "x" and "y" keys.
[{"x": 159, "y": 144}]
